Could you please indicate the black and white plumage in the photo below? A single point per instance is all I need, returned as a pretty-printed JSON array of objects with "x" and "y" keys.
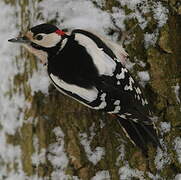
[{"x": 91, "y": 70}]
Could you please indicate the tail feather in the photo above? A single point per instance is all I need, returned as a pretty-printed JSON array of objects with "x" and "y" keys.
[
  {"x": 152, "y": 133},
  {"x": 140, "y": 134}
]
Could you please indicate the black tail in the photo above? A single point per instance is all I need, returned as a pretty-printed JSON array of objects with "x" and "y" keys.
[{"x": 140, "y": 134}]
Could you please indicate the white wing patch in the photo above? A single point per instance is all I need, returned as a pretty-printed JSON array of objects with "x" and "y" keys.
[
  {"x": 117, "y": 107},
  {"x": 103, "y": 103},
  {"x": 130, "y": 86},
  {"x": 87, "y": 94},
  {"x": 105, "y": 64},
  {"x": 138, "y": 91},
  {"x": 117, "y": 49},
  {"x": 122, "y": 74}
]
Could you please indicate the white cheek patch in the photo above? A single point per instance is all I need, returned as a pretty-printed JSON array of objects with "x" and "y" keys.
[
  {"x": 42, "y": 55},
  {"x": 49, "y": 40}
]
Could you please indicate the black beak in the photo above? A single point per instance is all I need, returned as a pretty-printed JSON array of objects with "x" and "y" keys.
[{"x": 23, "y": 40}]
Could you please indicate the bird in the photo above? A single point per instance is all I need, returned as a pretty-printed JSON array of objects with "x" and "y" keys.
[{"x": 92, "y": 70}]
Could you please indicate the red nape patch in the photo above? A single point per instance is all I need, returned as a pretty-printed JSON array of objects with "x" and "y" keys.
[{"x": 60, "y": 32}]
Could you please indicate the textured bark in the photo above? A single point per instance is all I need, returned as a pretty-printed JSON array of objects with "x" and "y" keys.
[{"x": 47, "y": 112}]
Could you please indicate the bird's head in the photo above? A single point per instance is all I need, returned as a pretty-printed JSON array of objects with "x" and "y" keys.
[{"x": 42, "y": 40}]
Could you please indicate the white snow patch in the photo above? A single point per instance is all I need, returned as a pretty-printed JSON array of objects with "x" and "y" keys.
[
  {"x": 101, "y": 175},
  {"x": 35, "y": 177},
  {"x": 12, "y": 116},
  {"x": 128, "y": 173},
  {"x": 121, "y": 156},
  {"x": 144, "y": 76},
  {"x": 38, "y": 157},
  {"x": 165, "y": 127},
  {"x": 160, "y": 13},
  {"x": 150, "y": 39},
  {"x": 57, "y": 155},
  {"x": 19, "y": 176},
  {"x": 162, "y": 158},
  {"x": 9, "y": 156},
  {"x": 131, "y": 4},
  {"x": 11, "y": 107},
  {"x": 95, "y": 155},
  {"x": 77, "y": 14},
  {"x": 176, "y": 90},
  {"x": 154, "y": 177},
  {"x": 100, "y": 3},
  {"x": 119, "y": 17},
  {"x": 141, "y": 63},
  {"x": 177, "y": 143},
  {"x": 137, "y": 13},
  {"x": 39, "y": 81},
  {"x": 142, "y": 22},
  {"x": 177, "y": 177},
  {"x": 58, "y": 158}
]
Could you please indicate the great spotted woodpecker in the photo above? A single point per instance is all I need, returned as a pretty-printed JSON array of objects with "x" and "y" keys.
[{"x": 92, "y": 70}]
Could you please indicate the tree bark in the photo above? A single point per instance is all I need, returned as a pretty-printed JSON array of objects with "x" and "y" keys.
[{"x": 92, "y": 142}]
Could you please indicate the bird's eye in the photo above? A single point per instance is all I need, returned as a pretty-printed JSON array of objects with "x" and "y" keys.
[{"x": 39, "y": 37}]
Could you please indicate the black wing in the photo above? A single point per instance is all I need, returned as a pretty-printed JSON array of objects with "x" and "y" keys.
[{"x": 121, "y": 86}]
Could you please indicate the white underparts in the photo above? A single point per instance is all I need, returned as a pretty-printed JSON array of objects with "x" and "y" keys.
[
  {"x": 87, "y": 94},
  {"x": 42, "y": 55}
]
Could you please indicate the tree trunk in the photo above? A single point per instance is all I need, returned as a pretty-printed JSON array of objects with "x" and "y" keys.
[{"x": 57, "y": 138}]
